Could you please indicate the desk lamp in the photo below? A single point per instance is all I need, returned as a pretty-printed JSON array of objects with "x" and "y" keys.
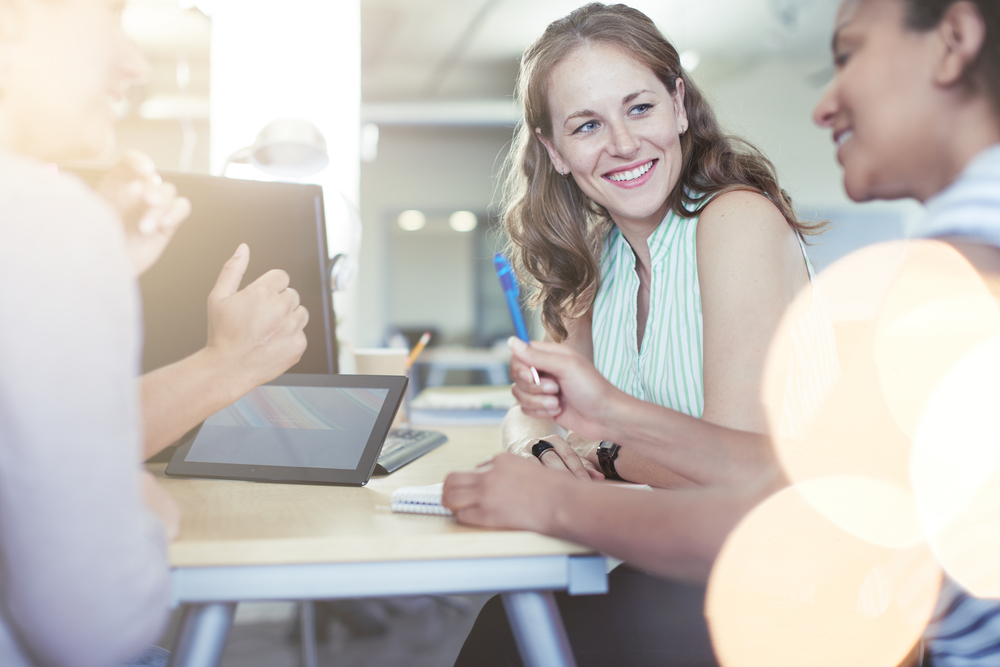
[{"x": 286, "y": 148}]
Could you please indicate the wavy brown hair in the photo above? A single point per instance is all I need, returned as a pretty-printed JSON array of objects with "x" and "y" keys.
[{"x": 555, "y": 231}]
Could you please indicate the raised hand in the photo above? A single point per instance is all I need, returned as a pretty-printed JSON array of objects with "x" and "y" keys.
[
  {"x": 573, "y": 392},
  {"x": 150, "y": 209},
  {"x": 259, "y": 329}
]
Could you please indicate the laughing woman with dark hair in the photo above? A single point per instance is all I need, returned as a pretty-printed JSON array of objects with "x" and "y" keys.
[{"x": 915, "y": 111}]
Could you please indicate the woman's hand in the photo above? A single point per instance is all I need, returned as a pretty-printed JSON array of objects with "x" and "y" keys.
[
  {"x": 506, "y": 492},
  {"x": 563, "y": 456},
  {"x": 572, "y": 392},
  {"x": 150, "y": 209},
  {"x": 586, "y": 449},
  {"x": 257, "y": 330}
]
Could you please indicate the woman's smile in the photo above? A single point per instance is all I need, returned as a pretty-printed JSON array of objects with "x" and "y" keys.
[{"x": 632, "y": 176}]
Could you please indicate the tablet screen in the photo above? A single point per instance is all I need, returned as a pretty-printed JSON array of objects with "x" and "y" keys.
[{"x": 291, "y": 426}]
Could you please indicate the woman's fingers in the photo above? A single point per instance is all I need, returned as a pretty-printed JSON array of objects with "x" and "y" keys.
[
  {"x": 570, "y": 460},
  {"x": 542, "y": 406}
]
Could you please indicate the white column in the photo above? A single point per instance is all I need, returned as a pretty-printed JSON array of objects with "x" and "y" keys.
[{"x": 291, "y": 59}]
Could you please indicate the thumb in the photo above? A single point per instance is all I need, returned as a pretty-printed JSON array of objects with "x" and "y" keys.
[{"x": 232, "y": 272}]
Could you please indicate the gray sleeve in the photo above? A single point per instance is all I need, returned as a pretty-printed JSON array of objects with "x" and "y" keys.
[{"x": 83, "y": 564}]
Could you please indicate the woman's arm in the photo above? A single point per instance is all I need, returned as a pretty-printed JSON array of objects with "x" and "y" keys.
[
  {"x": 750, "y": 268},
  {"x": 675, "y": 533},
  {"x": 255, "y": 334}
]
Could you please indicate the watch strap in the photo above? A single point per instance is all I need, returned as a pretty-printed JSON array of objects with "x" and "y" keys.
[{"x": 607, "y": 452}]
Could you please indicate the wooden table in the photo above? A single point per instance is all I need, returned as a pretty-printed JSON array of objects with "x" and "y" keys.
[{"x": 243, "y": 541}]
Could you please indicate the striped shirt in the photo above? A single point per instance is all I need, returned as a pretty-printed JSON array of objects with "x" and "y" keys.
[
  {"x": 965, "y": 631},
  {"x": 668, "y": 369}
]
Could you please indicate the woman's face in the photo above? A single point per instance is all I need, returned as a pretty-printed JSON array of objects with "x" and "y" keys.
[
  {"x": 881, "y": 104},
  {"x": 64, "y": 66},
  {"x": 616, "y": 129}
]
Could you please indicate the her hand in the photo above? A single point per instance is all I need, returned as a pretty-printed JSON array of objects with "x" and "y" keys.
[
  {"x": 563, "y": 457},
  {"x": 505, "y": 492},
  {"x": 586, "y": 449},
  {"x": 258, "y": 331},
  {"x": 582, "y": 400},
  {"x": 150, "y": 209}
]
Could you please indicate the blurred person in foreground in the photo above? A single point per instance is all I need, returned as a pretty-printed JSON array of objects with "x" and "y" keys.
[
  {"x": 83, "y": 529},
  {"x": 915, "y": 112}
]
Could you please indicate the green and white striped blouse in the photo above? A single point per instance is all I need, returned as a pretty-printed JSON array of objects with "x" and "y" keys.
[{"x": 668, "y": 369}]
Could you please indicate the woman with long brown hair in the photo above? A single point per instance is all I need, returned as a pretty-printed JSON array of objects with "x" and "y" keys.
[
  {"x": 660, "y": 248},
  {"x": 664, "y": 255}
]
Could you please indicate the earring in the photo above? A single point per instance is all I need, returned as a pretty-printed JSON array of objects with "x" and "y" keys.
[{"x": 684, "y": 128}]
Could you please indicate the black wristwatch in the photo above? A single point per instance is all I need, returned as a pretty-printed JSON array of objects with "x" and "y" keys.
[
  {"x": 607, "y": 452},
  {"x": 540, "y": 448}
]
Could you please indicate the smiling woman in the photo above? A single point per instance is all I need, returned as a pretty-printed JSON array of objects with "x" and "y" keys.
[{"x": 664, "y": 255}]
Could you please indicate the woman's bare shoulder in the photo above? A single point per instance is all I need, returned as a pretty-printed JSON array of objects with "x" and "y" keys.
[{"x": 743, "y": 227}]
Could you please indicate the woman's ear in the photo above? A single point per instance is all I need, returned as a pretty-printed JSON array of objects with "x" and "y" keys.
[
  {"x": 554, "y": 156},
  {"x": 680, "y": 111},
  {"x": 962, "y": 32}
]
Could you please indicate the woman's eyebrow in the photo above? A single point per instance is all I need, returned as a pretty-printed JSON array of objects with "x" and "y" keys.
[
  {"x": 579, "y": 114},
  {"x": 628, "y": 98}
]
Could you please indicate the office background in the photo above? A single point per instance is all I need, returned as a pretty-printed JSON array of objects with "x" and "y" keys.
[{"x": 431, "y": 116}]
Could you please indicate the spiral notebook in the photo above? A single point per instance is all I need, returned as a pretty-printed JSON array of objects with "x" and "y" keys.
[{"x": 419, "y": 500}]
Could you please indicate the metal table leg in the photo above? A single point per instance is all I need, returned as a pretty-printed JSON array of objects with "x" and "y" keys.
[
  {"x": 204, "y": 629},
  {"x": 538, "y": 629},
  {"x": 307, "y": 623}
]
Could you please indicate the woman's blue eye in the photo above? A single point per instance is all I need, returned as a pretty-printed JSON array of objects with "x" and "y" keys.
[
  {"x": 640, "y": 109},
  {"x": 589, "y": 126}
]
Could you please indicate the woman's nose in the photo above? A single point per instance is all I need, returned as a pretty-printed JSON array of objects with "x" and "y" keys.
[
  {"x": 135, "y": 69},
  {"x": 624, "y": 143},
  {"x": 827, "y": 107}
]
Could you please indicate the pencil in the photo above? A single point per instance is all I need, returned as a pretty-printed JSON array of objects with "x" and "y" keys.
[{"x": 417, "y": 349}]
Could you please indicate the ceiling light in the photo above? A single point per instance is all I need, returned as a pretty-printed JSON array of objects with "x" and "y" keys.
[
  {"x": 690, "y": 60},
  {"x": 463, "y": 221},
  {"x": 411, "y": 220}
]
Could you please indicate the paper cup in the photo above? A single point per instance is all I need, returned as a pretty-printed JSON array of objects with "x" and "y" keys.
[
  {"x": 381, "y": 360},
  {"x": 386, "y": 361}
]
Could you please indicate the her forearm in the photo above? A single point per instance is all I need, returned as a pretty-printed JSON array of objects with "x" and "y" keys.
[
  {"x": 695, "y": 449},
  {"x": 674, "y": 533},
  {"x": 176, "y": 398}
]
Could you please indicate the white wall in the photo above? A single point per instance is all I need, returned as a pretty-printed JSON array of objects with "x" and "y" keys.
[
  {"x": 769, "y": 102},
  {"x": 437, "y": 170}
]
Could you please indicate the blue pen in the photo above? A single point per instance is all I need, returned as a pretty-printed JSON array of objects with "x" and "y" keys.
[{"x": 509, "y": 283}]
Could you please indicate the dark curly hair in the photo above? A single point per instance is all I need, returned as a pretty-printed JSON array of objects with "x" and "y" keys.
[{"x": 984, "y": 73}]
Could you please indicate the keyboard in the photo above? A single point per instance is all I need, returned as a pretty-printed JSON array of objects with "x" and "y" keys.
[{"x": 405, "y": 445}]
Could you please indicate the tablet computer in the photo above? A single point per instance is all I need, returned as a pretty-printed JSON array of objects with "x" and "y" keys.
[{"x": 308, "y": 429}]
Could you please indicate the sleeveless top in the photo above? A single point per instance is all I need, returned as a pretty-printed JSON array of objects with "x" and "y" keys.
[{"x": 668, "y": 369}]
